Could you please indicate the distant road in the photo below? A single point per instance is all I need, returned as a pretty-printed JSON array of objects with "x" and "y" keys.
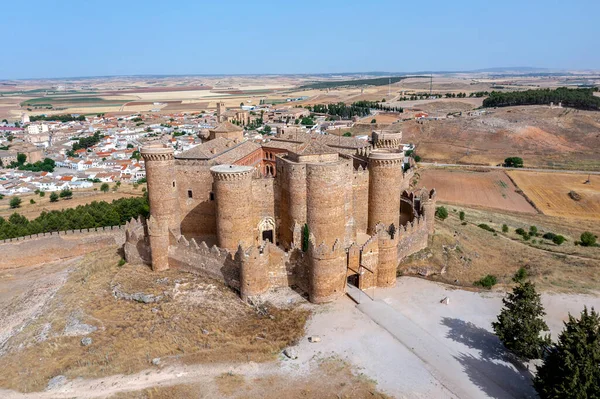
[{"x": 443, "y": 165}]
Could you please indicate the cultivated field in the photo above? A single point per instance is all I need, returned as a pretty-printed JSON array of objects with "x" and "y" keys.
[
  {"x": 550, "y": 193},
  {"x": 486, "y": 188}
]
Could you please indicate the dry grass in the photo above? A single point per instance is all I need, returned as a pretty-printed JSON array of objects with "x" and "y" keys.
[
  {"x": 332, "y": 378},
  {"x": 467, "y": 253},
  {"x": 550, "y": 193},
  {"x": 197, "y": 321}
]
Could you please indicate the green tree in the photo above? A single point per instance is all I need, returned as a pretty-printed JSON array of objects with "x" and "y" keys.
[
  {"x": 347, "y": 134},
  {"x": 15, "y": 202},
  {"x": 42, "y": 194},
  {"x": 53, "y": 197},
  {"x": 441, "y": 212},
  {"x": 461, "y": 215},
  {"x": 32, "y": 201},
  {"x": 558, "y": 239},
  {"x": 504, "y": 228},
  {"x": 66, "y": 193},
  {"x": 305, "y": 237},
  {"x": 104, "y": 187},
  {"x": 572, "y": 369},
  {"x": 21, "y": 159},
  {"x": 373, "y": 120},
  {"x": 521, "y": 322},
  {"x": 588, "y": 239},
  {"x": 513, "y": 162},
  {"x": 267, "y": 129}
]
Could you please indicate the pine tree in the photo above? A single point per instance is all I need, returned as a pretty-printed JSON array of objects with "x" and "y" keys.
[
  {"x": 572, "y": 369},
  {"x": 520, "y": 322}
]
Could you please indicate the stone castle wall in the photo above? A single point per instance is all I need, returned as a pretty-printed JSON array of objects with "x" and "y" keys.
[
  {"x": 50, "y": 247},
  {"x": 198, "y": 213},
  {"x": 360, "y": 198}
]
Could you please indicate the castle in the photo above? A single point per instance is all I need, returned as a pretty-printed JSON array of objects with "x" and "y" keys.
[{"x": 308, "y": 211}]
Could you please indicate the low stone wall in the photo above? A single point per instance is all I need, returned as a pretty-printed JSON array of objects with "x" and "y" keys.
[
  {"x": 45, "y": 248},
  {"x": 412, "y": 237}
]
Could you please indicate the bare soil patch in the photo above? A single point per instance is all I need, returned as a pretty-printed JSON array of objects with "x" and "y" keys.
[
  {"x": 487, "y": 188},
  {"x": 194, "y": 320},
  {"x": 550, "y": 193}
]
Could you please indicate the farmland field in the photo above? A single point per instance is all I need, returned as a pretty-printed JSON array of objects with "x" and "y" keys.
[
  {"x": 550, "y": 193},
  {"x": 490, "y": 189}
]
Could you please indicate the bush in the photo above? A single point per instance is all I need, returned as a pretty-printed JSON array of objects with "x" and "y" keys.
[
  {"x": 504, "y": 228},
  {"x": 549, "y": 236},
  {"x": 53, "y": 197},
  {"x": 461, "y": 215},
  {"x": 486, "y": 282},
  {"x": 520, "y": 275},
  {"x": 122, "y": 262},
  {"x": 571, "y": 369},
  {"x": 66, "y": 193},
  {"x": 15, "y": 202},
  {"x": 373, "y": 120},
  {"x": 533, "y": 230},
  {"x": 42, "y": 194},
  {"x": 521, "y": 321},
  {"x": 104, "y": 187},
  {"x": 587, "y": 239},
  {"x": 31, "y": 201},
  {"x": 485, "y": 227},
  {"x": 558, "y": 239},
  {"x": 526, "y": 236},
  {"x": 441, "y": 212},
  {"x": 520, "y": 231}
]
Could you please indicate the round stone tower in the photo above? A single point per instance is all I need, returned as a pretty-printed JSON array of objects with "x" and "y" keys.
[
  {"x": 164, "y": 203},
  {"x": 385, "y": 180},
  {"x": 233, "y": 193},
  {"x": 325, "y": 199}
]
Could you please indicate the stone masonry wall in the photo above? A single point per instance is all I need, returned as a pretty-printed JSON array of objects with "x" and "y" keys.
[
  {"x": 198, "y": 213},
  {"x": 360, "y": 197},
  {"x": 412, "y": 237},
  {"x": 45, "y": 248}
]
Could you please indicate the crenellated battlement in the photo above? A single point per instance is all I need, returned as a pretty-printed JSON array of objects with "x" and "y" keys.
[{"x": 324, "y": 251}]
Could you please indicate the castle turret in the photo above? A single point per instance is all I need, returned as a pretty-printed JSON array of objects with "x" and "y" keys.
[
  {"x": 254, "y": 276},
  {"x": 164, "y": 203},
  {"x": 385, "y": 180},
  {"x": 233, "y": 193},
  {"x": 428, "y": 201},
  {"x": 327, "y": 272},
  {"x": 387, "y": 239}
]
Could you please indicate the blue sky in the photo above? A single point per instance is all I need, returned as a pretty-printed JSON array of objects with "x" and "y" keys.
[{"x": 96, "y": 38}]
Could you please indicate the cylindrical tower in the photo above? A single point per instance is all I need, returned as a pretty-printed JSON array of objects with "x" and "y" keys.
[
  {"x": 385, "y": 179},
  {"x": 254, "y": 275},
  {"x": 233, "y": 194},
  {"x": 327, "y": 272},
  {"x": 325, "y": 198},
  {"x": 164, "y": 203},
  {"x": 387, "y": 260}
]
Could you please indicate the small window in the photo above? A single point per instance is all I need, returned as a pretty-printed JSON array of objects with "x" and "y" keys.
[
  {"x": 212, "y": 196},
  {"x": 190, "y": 195},
  {"x": 173, "y": 184}
]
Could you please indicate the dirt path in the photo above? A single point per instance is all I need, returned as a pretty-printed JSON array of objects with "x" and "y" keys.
[{"x": 203, "y": 374}]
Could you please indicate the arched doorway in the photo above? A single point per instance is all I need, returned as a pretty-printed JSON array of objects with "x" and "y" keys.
[{"x": 266, "y": 230}]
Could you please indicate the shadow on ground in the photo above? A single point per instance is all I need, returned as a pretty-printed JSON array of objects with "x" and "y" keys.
[{"x": 494, "y": 371}]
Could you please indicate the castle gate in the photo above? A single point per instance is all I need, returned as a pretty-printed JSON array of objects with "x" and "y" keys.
[{"x": 266, "y": 230}]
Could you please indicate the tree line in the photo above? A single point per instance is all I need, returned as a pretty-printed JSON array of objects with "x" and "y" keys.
[
  {"x": 85, "y": 142},
  {"x": 95, "y": 214},
  {"x": 575, "y": 98},
  {"x": 59, "y": 118},
  {"x": 344, "y": 111}
]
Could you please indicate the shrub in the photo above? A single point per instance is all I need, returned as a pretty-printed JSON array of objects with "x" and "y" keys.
[
  {"x": 104, "y": 187},
  {"x": 558, "y": 239},
  {"x": 486, "y": 282},
  {"x": 520, "y": 231},
  {"x": 31, "y": 201},
  {"x": 533, "y": 230},
  {"x": 504, "y": 228},
  {"x": 15, "y": 202},
  {"x": 122, "y": 262},
  {"x": 485, "y": 227},
  {"x": 42, "y": 193},
  {"x": 66, "y": 193},
  {"x": 441, "y": 212},
  {"x": 521, "y": 321},
  {"x": 461, "y": 215},
  {"x": 549, "y": 236},
  {"x": 53, "y": 197},
  {"x": 464, "y": 223},
  {"x": 520, "y": 275},
  {"x": 373, "y": 120},
  {"x": 513, "y": 162},
  {"x": 587, "y": 239},
  {"x": 526, "y": 236}
]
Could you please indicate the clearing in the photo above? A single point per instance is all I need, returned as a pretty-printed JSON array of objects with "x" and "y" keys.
[
  {"x": 486, "y": 188},
  {"x": 550, "y": 193}
]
